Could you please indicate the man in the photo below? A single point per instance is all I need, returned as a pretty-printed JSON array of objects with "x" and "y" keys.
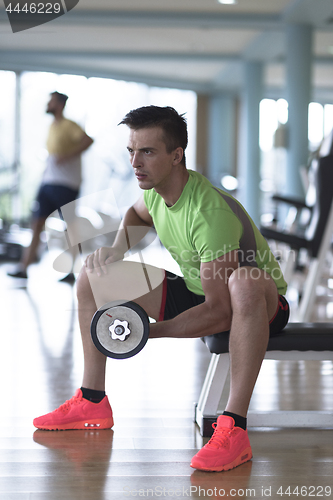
[
  {"x": 231, "y": 282},
  {"x": 62, "y": 177}
]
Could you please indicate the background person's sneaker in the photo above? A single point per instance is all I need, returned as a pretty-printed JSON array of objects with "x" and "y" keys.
[
  {"x": 228, "y": 447},
  {"x": 77, "y": 413},
  {"x": 69, "y": 278},
  {"x": 18, "y": 274}
]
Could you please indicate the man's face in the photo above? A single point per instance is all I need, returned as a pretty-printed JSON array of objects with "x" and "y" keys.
[
  {"x": 53, "y": 105},
  {"x": 149, "y": 158}
]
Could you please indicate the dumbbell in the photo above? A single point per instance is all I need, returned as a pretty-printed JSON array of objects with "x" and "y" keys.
[{"x": 120, "y": 330}]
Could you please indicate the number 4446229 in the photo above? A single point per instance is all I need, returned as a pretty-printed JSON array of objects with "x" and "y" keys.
[
  {"x": 34, "y": 8},
  {"x": 305, "y": 491}
]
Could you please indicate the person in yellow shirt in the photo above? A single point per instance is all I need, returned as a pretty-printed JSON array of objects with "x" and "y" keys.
[{"x": 62, "y": 176}]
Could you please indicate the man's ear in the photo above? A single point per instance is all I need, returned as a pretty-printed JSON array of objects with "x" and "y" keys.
[{"x": 178, "y": 155}]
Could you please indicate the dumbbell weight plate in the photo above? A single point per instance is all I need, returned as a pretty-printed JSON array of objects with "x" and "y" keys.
[{"x": 131, "y": 317}]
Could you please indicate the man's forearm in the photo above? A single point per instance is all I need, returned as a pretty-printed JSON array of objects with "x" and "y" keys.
[
  {"x": 131, "y": 231},
  {"x": 198, "y": 321}
]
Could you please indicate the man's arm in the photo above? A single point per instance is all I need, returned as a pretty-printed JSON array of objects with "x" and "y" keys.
[
  {"x": 212, "y": 316},
  {"x": 82, "y": 146},
  {"x": 133, "y": 228}
]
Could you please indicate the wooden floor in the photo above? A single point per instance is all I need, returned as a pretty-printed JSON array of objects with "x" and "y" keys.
[{"x": 148, "y": 452}]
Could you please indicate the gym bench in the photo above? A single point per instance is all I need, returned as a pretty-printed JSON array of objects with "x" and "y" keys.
[{"x": 297, "y": 342}]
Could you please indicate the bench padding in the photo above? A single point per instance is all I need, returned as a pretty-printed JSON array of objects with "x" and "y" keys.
[{"x": 294, "y": 337}]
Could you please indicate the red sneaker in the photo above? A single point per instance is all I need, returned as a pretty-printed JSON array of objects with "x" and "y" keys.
[
  {"x": 77, "y": 413},
  {"x": 228, "y": 447}
]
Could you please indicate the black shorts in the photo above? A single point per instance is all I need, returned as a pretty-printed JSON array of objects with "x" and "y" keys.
[
  {"x": 51, "y": 197},
  {"x": 177, "y": 299}
]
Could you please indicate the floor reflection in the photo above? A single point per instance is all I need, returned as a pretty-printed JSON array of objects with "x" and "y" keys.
[
  {"x": 233, "y": 483},
  {"x": 78, "y": 461},
  {"x": 55, "y": 343}
]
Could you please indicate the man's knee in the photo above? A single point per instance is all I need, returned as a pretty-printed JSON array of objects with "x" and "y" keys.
[
  {"x": 247, "y": 284},
  {"x": 249, "y": 287}
]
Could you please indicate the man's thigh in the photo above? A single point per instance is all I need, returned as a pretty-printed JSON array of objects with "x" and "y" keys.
[{"x": 126, "y": 281}]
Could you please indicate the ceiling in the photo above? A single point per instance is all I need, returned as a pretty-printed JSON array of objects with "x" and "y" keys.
[{"x": 191, "y": 44}]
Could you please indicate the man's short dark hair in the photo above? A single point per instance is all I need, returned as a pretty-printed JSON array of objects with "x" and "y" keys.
[
  {"x": 173, "y": 125},
  {"x": 61, "y": 97}
]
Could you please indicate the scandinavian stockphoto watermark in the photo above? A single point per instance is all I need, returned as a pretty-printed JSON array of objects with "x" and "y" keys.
[{"x": 24, "y": 15}]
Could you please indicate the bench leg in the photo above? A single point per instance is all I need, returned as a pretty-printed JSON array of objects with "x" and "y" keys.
[{"x": 206, "y": 411}]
